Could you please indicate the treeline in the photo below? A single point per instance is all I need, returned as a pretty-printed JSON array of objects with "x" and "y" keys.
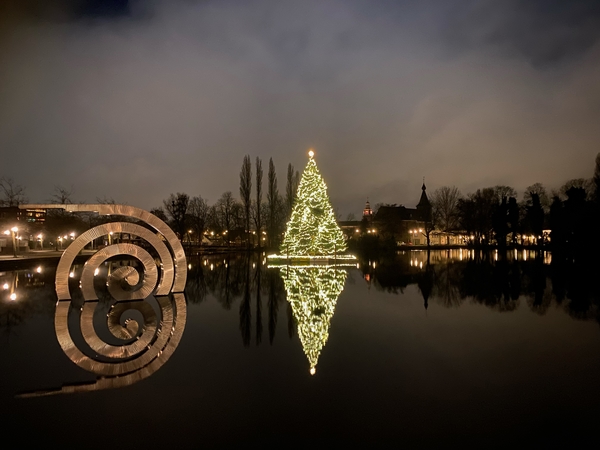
[
  {"x": 256, "y": 218},
  {"x": 493, "y": 216},
  {"x": 252, "y": 220}
]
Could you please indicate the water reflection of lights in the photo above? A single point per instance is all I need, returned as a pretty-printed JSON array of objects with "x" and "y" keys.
[{"x": 312, "y": 293}]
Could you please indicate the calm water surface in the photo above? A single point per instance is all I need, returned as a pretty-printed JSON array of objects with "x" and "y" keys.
[{"x": 404, "y": 352}]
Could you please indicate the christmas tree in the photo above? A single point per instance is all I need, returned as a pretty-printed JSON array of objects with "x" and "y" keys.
[
  {"x": 312, "y": 229},
  {"x": 313, "y": 293}
]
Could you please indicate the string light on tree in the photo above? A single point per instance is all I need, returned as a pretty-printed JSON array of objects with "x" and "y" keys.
[{"x": 312, "y": 229}]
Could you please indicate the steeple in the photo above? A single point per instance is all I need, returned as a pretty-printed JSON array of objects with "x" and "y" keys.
[
  {"x": 424, "y": 209},
  {"x": 424, "y": 201}
]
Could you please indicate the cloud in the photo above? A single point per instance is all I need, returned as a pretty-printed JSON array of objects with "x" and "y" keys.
[{"x": 146, "y": 99}]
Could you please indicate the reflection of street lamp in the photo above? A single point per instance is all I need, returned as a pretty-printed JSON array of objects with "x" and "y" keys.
[{"x": 41, "y": 238}]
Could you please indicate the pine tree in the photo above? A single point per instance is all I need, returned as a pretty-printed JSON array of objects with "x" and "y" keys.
[{"x": 312, "y": 228}]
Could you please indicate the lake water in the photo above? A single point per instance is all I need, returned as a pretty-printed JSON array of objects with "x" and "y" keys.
[{"x": 454, "y": 348}]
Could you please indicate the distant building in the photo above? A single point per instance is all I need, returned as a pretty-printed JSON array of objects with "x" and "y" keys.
[
  {"x": 16, "y": 214},
  {"x": 405, "y": 225}
]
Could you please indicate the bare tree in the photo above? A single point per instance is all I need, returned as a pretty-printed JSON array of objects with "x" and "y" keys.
[
  {"x": 245, "y": 193},
  {"x": 444, "y": 202},
  {"x": 107, "y": 200},
  {"x": 160, "y": 213},
  {"x": 176, "y": 208},
  {"x": 583, "y": 183},
  {"x": 504, "y": 192},
  {"x": 13, "y": 194},
  {"x": 198, "y": 211},
  {"x": 62, "y": 196},
  {"x": 539, "y": 190},
  {"x": 224, "y": 210}
]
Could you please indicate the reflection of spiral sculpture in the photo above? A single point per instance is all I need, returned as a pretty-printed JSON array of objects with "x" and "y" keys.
[
  {"x": 313, "y": 292},
  {"x": 146, "y": 345}
]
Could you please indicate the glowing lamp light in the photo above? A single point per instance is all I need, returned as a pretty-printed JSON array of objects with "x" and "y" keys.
[
  {"x": 39, "y": 269},
  {"x": 311, "y": 153},
  {"x": 15, "y": 229},
  {"x": 96, "y": 271},
  {"x": 313, "y": 370},
  {"x": 7, "y": 232},
  {"x": 5, "y": 286},
  {"x": 72, "y": 274},
  {"x": 13, "y": 296}
]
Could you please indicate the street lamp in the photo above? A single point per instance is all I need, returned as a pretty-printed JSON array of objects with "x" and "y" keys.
[{"x": 12, "y": 232}]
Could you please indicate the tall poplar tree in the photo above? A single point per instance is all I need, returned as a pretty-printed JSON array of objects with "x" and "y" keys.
[
  {"x": 258, "y": 216},
  {"x": 274, "y": 205},
  {"x": 245, "y": 192}
]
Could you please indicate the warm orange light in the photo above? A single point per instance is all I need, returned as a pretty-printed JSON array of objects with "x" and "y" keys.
[{"x": 311, "y": 153}]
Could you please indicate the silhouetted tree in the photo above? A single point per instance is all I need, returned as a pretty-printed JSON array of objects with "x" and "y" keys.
[
  {"x": 224, "y": 210},
  {"x": 579, "y": 183},
  {"x": 274, "y": 207},
  {"x": 504, "y": 191},
  {"x": 62, "y": 196},
  {"x": 534, "y": 218},
  {"x": 540, "y": 191},
  {"x": 444, "y": 202},
  {"x": 245, "y": 193},
  {"x": 258, "y": 205},
  {"x": 160, "y": 213},
  {"x": 11, "y": 193},
  {"x": 476, "y": 213},
  {"x": 513, "y": 219},
  {"x": 176, "y": 208},
  {"x": 198, "y": 211},
  {"x": 500, "y": 223},
  {"x": 293, "y": 179}
]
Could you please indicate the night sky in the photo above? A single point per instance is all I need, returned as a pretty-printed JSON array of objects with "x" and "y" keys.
[{"x": 135, "y": 100}]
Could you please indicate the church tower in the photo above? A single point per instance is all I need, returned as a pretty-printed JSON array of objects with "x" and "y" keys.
[
  {"x": 424, "y": 206},
  {"x": 367, "y": 212}
]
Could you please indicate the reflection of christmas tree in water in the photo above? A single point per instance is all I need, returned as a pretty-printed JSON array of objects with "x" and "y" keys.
[{"x": 313, "y": 293}]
